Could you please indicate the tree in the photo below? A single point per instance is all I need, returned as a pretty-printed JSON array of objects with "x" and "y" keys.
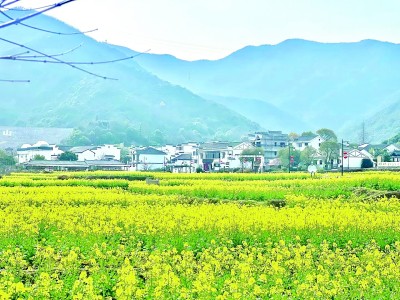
[
  {"x": 68, "y": 156},
  {"x": 329, "y": 150},
  {"x": 283, "y": 155},
  {"x": 30, "y": 54},
  {"x": 6, "y": 159},
  {"x": 293, "y": 136},
  {"x": 327, "y": 134},
  {"x": 249, "y": 155},
  {"x": 126, "y": 156},
  {"x": 393, "y": 140},
  {"x": 383, "y": 153},
  {"x": 7, "y": 162},
  {"x": 39, "y": 157},
  {"x": 307, "y": 156},
  {"x": 307, "y": 133}
]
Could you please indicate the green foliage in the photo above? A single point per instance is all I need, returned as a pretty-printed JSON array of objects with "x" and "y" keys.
[
  {"x": 383, "y": 153},
  {"x": 307, "y": 133},
  {"x": 126, "y": 156},
  {"x": 327, "y": 134},
  {"x": 39, "y": 157},
  {"x": 6, "y": 159},
  {"x": 329, "y": 150},
  {"x": 252, "y": 151},
  {"x": 393, "y": 140},
  {"x": 307, "y": 156},
  {"x": 283, "y": 155},
  {"x": 293, "y": 136},
  {"x": 68, "y": 156}
]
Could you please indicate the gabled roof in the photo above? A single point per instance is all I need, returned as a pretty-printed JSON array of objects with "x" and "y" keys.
[
  {"x": 183, "y": 156},
  {"x": 41, "y": 148},
  {"x": 395, "y": 153},
  {"x": 81, "y": 149},
  {"x": 150, "y": 151},
  {"x": 218, "y": 145},
  {"x": 306, "y": 138}
]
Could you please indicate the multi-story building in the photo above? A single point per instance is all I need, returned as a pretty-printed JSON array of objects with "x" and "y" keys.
[{"x": 271, "y": 141}]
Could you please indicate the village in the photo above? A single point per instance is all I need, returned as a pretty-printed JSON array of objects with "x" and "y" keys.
[{"x": 261, "y": 152}]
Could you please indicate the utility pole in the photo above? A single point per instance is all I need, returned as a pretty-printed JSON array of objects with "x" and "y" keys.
[
  {"x": 289, "y": 156},
  {"x": 342, "y": 157}
]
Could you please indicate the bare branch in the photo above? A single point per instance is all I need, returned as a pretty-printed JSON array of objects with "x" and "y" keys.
[
  {"x": 19, "y": 20},
  {"x": 15, "y": 80},
  {"x": 56, "y": 59},
  {"x": 23, "y": 58},
  {"x": 21, "y": 55},
  {"x": 45, "y": 30},
  {"x": 4, "y": 3}
]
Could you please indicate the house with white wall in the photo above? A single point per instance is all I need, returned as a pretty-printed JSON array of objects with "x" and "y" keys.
[
  {"x": 84, "y": 152},
  {"x": 104, "y": 152},
  {"x": 28, "y": 152},
  {"x": 183, "y": 163},
  {"x": 148, "y": 158},
  {"x": 107, "y": 152},
  {"x": 302, "y": 142}
]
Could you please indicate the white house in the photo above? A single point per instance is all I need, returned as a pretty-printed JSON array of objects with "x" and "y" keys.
[
  {"x": 107, "y": 152},
  {"x": 183, "y": 163},
  {"x": 307, "y": 141},
  {"x": 84, "y": 152},
  {"x": 148, "y": 158},
  {"x": 356, "y": 159},
  {"x": 104, "y": 152},
  {"x": 214, "y": 156},
  {"x": 28, "y": 152}
]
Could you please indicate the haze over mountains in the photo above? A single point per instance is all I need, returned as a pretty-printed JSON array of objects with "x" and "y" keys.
[
  {"x": 319, "y": 85},
  {"x": 138, "y": 108},
  {"x": 293, "y": 86}
]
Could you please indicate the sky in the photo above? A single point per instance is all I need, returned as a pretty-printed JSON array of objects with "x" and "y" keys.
[{"x": 212, "y": 29}]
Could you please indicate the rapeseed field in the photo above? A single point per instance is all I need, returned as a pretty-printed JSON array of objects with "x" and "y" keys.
[{"x": 99, "y": 235}]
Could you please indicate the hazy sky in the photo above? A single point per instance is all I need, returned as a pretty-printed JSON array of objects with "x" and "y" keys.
[{"x": 211, "y": 29}]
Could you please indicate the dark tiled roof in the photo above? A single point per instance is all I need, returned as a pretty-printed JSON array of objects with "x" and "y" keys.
[
  {"x": 184, "y": 156},
  {"x": 44, "y": 148},
  {"x": 395, "y": 153},
  {"x": 151, "y": 151}
]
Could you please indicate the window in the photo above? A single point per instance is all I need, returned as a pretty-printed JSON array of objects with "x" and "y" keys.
[
  {"x": 300, "y": 144},
  {"x": 306, "y": 144}
]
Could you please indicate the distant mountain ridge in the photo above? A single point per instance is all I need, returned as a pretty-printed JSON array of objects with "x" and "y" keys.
[
  {"x": 323, "y": 85},
  {"x": 138, "y": 108}
]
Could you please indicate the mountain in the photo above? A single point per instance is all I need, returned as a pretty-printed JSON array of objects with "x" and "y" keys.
[
  {"x": 264, "y": 113},
  {"x": 376, "y": 125},
  {"x": 139, "y": 107},
  {"x": 324, "y": 85}
]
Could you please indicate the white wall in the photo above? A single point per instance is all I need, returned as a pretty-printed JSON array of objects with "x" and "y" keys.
[
  {"x": 150, "y": 162},
  {"x": 28, "y": 154},
  {"x": 107, "y": 150},
  {"x": 86, "y": 155}
]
